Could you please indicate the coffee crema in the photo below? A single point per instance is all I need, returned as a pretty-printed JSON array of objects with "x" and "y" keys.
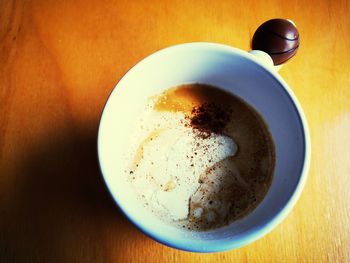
[{"x": 200, "y": 157}]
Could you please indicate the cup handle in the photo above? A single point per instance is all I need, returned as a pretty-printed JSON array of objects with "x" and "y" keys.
[{"x": 275, "y": 42}]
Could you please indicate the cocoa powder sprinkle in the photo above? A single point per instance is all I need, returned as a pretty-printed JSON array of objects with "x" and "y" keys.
[{"x": 209, "y": 118}]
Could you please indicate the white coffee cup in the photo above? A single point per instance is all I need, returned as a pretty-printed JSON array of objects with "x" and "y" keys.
[{"x": 253, "y": 79}]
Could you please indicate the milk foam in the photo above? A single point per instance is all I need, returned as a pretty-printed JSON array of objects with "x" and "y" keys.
[{"x": 170, "y": 162}]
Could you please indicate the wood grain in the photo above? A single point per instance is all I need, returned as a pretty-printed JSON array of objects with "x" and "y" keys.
[{"x": 60, "y": 60}]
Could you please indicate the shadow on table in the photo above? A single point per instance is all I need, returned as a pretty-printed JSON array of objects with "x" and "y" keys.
[{"x": 61, "y": 210}]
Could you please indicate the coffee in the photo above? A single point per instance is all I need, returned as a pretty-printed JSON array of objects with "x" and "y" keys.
[{"x": 200, "y": 157}]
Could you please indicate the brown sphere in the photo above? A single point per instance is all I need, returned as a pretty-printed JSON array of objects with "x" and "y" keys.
[{"x": 277, "y": 37}]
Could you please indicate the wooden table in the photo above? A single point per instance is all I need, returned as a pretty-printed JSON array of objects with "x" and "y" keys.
[{"x": 60, "y": 60}]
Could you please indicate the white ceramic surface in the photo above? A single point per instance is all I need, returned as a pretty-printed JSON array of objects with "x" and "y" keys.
[{"x": 235, "y": 71}]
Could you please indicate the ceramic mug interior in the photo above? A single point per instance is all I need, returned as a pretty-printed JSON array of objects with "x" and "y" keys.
[{"x": 237, "y": 72}]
